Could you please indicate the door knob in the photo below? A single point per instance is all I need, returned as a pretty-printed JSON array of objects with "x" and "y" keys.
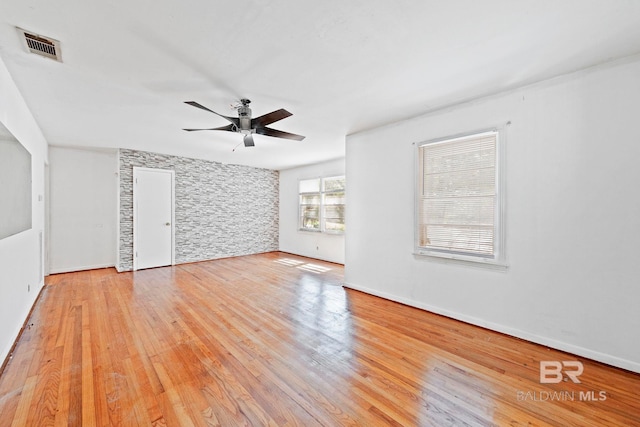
[{"x": 168, "y": 223}]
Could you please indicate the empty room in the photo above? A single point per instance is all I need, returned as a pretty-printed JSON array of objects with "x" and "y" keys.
[{"x": 320, "y": 213}]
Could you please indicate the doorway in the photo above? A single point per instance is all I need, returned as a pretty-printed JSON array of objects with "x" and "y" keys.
[{"x": 153, "y": 218}]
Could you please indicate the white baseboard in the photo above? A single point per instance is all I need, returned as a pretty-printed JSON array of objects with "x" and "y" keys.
[
  {"x": 313, "y": 256},
  {"x": 546, "y": 341},
  {"x": 6, "y": 352},
  {"x": 79, "y": 268}
]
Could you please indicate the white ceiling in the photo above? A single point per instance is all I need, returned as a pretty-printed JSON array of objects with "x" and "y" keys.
[{"x": 339, "y": 66}]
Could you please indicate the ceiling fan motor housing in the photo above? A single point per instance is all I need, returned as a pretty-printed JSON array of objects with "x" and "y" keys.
[{"x": 244, "y": 114}]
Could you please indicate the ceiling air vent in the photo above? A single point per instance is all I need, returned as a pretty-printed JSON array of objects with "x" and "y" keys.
[{"x": 42, "y": 46}]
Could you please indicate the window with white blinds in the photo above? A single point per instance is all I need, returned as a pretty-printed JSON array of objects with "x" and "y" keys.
[
  {"x": 322, "y": 204},
  {"x": 458, "y": 201}
]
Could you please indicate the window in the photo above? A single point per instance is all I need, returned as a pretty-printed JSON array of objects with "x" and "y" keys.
[
  {"x": 310, "y": 201},
  {"x": 322, "y": 202},
  {"x": 333, "y": 204},
  {"x": 458, "y": 200}
]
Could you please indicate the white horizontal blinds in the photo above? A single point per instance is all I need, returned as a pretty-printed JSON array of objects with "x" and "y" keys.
[
  {"x": 333, "y": 203},
  {"x": 458, "y": 197},
  {"x": 310, "y": 200}
]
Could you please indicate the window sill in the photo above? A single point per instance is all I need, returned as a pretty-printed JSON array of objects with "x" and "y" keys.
[
  {"x": 471, "y": 261},
  {"x": 329, "y": 233}
]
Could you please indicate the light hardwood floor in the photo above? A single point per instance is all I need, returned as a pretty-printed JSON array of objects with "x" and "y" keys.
[{"x": 273, "y": 339}]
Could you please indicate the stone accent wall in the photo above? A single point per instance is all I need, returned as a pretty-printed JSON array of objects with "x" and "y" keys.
[{"x": 220, "y": 210}]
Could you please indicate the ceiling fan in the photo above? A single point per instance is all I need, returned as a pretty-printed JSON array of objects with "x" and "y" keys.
[{"x": 246, "y": 125}]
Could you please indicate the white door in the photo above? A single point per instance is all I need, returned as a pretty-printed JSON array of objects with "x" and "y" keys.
[{"x": 152, "y": 218}]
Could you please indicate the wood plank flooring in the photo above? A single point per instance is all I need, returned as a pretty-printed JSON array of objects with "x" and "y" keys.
[{"x": 273, "y": 339}]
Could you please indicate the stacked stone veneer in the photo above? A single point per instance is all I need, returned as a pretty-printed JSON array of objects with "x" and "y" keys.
[{"x": 220, "y": 210}]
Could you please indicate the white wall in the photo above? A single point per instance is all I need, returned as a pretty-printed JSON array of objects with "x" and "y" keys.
[
  {"x": 572, "y": 216},
  {"x": 83, "y": 209},
  {"x": 21, "y": 255},
  {"x": 328, "y": 247}
]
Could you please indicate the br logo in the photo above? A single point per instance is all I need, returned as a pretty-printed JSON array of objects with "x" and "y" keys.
[{"x": 551, "y": 371}]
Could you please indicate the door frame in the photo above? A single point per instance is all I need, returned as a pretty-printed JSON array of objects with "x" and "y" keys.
[{"x": 136, "y": 170}]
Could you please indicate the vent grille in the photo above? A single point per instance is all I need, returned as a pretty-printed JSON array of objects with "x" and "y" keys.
[{"x": 43, "y": 46}]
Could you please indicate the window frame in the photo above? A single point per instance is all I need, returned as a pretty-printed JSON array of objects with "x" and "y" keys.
[
  {"x": 321, "y": 193},
  {"x": 498, "y": 258}
]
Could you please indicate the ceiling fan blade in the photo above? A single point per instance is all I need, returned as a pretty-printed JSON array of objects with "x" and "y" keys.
[
  {"x": 248, "y": 141},
  {"x": 230, "y": 128},
  {"x": 278, "y": 133},
  {"x": 269, "y": 118},
  {"x": 202, "y": 107}
]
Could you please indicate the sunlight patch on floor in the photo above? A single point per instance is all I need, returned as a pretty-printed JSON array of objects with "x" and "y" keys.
[
  {"x": 288, "y": 261},
  {"x": 313, "y": 268}
]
